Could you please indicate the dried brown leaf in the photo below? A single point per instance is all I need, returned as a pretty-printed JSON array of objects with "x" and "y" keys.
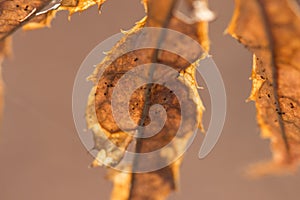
[
  {"x": 158, "y": 184},
  {"x": 79, "y": 5},
  {"x": 271, "y": 30},
  {"x": 14, "y": 14},
  {"x": 73, "y": 6}
]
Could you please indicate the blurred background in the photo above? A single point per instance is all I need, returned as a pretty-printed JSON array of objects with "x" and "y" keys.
[{"x": 40, "y": 152}]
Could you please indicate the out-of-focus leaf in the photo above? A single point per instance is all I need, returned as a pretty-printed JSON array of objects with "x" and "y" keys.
[
  {"x": 5, "y": 51},
  {"x": 15, "y": 13},
  {"x": 79, "y": 5},
  {"x": 40, "y": 21},
  {"x": 271, "y": 30},
  {"x": 158, "y": 184},
  {"x": 22, "y": 13},
  {"x": 44, "y": 20}
]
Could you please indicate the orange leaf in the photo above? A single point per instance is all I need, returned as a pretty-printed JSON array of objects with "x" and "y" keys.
[{"x": 271, "y": 30}]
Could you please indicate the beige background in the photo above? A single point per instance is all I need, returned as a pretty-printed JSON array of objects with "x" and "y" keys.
[{"x": 41, "y": 155}]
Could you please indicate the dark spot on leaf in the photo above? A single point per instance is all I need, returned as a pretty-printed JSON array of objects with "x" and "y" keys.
[{"x": 292, "y": 105}]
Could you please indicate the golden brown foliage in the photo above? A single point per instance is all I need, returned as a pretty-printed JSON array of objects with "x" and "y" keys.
[
  {"x": 158, "y": 184},
  {"x": 271, "y": 30},
  {"x": 44, "y": 20},
  {"x": 14, "y": 14}
]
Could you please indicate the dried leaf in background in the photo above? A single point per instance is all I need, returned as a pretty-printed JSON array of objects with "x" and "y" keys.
[
  {"x": 5, "y": 51},
  {"x": 73, "y": 6},
  {"x": 79, "y": 5},
  {"x": 158, "y": 184},
  {"x": 271, "y": 30},
  {"x": 15, "y": 13}
]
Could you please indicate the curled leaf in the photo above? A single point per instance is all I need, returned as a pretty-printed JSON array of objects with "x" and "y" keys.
[
  {"x": 113, "y": 137},
  {"x": 271, "y": 30}
]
